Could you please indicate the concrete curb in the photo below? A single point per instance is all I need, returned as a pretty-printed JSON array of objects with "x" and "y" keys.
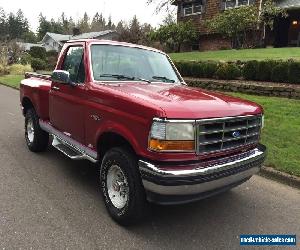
[
  {"x": 281, "y": 177},
  {"x": 9, "y": 86}
]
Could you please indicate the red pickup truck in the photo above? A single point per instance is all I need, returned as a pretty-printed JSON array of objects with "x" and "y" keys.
[{"x": 126, "y": 108}]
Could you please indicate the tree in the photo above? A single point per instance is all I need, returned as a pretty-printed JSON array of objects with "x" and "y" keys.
[
  {"x": 65, "y": 24},
  {"x": 169, "y": 19},
  {"x": 84, "y": 24},
  {"x": 135, "y": 30},
  {"x": 44, "y": 27},
  {"x": 3, "y": 24},
  {"x": 56, "y": 26},
  {"x": 161, "y": 5},
  {"x": 98, "y": 22},
  {"x": 30, "y": 37},
  {"x": 234, "y": 23},
  {"x": 173, "y": 36},
  {"x": 17, "y": 25},
  {"x": 110, "y": 24},
  {"x": 267, "y": 16},
  {"x": 269, "y": 12}
]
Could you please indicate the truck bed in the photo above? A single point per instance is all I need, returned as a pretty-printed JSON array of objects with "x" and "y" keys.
[{"x": 36, "y": 88}]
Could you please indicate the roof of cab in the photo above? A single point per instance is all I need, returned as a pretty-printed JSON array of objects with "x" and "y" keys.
[{"x": 110, "y": 42}]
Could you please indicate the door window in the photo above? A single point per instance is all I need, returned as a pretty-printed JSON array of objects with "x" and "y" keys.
[{"x": 74, "y": 64}]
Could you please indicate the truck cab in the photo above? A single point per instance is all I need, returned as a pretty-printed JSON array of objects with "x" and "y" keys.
[{"x": 126, "y": 108}]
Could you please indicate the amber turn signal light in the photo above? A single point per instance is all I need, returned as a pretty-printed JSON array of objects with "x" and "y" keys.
[{"x": 163, "y": 145}]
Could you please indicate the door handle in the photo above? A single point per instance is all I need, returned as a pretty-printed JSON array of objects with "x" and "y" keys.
[{"x": 55, "y": 88}]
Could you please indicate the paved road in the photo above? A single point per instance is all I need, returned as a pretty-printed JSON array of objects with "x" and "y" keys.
[{"x": 48, "y": 201}]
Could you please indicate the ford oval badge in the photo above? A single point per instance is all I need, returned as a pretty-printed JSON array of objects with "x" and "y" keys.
[{"x": 236, "y": 134}]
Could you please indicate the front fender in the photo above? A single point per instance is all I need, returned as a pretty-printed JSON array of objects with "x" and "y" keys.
[{"x": 123, "y": 131}]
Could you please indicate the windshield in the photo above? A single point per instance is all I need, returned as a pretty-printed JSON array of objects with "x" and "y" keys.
[{"x": 119, "y": 63}]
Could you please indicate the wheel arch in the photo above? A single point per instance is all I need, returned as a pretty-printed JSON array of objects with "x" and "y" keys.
[
  {"x": 27, "y": 104},
  {"x": 111, "y": 139}
]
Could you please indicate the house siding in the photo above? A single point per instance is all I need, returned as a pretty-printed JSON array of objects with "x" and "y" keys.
[
  {"x": 51, "y": 44},
  {"x": 211, "y": 8}
]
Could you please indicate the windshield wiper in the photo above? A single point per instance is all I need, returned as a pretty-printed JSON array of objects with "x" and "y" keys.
[
  {"x": 142, "y": 79},
  {"x": 124, "y": 77},
  {"x": 119, "y": 77},
  {"x": 163, "y": 78}
]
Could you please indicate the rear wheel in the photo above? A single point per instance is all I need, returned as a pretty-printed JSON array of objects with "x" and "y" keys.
[
  {"x": 121, "y": 186},
  {"x": 36, "y": 139}
]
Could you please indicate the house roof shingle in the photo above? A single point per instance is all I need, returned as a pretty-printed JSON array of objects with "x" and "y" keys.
[
  {"x": 57, "y": 37},
  {"x": 64, "y": 38},
  {"x": 92, "y": 35}
]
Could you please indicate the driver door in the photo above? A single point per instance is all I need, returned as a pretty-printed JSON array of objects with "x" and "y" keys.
[{"x": 67, "y": 102}]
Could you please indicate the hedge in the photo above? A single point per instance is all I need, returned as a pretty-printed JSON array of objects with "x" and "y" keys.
[
  {"x": 38, "y": 64},
  {"x": 228, "y": 71},
  {"x": 38, "y": 52},
  {"x": 269, "y": 70}
]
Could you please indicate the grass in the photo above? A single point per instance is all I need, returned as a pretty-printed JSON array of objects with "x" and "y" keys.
[
  {"x": 281, "y": 133},
  {"x": 11, "y": 80},
  {"x": 243, "y": 55}
]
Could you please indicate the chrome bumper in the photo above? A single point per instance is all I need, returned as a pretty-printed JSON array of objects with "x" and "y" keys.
[{"x": 164, "y": 184}]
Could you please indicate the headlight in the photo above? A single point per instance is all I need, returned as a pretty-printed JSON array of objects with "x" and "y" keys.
[{"x": 172, "y": 136}]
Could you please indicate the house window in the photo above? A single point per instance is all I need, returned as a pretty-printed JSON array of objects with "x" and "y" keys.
[
  {"x": 192, "y": 8},
  {"x": 236, "y": 3}
]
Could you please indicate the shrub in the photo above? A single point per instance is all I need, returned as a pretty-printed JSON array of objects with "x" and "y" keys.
[
  {"x": 51, "y": 53},
  {"x": 185, "y": 68},
  {"x": 250, "y": 70},
  {"x": 38, "y": 52},
  {"x": 51, "y": 63},
  {"x": 19, "y": 69},
  {"x": 38, "y": 64},
  {"x": 264, "y": 70},
  {"x": 4, "y": 70},
  {"x": 228, "y": 71},
  {"x": 294, "y": 72},
  {"x": 280, "y": 72},
  {"x": 196, "y": 69},
  {"x": 209, "y": 69},
  {"x": 25, "y": 59}
]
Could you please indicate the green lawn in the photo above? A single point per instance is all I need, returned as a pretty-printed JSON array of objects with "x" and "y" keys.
[
  {"x": 281, "y": 134},
  {"x": 11, "y": 80},
  {"x": 243, "y": 54}
]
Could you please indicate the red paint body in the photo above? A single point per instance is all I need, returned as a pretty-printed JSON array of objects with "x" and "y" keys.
[{"x": 126, "y": 109}]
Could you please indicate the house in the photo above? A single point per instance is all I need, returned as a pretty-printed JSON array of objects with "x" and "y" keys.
[
  {"x": 27, "y": 46},
  {"x": 53, "y": 41},
  {"x": 286, "y": 30}
]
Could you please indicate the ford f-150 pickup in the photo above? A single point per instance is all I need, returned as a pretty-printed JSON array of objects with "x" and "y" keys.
[{"x": 126, "y": 108}]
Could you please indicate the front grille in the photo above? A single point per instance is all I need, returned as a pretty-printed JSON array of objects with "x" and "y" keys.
[{"x": 221, "y": 134}]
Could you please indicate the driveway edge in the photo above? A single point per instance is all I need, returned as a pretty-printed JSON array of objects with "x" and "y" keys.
[{"x": 281, "y": 177}]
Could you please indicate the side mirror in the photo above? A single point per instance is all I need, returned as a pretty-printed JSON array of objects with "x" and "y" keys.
[{"x": 63, "y": 77}]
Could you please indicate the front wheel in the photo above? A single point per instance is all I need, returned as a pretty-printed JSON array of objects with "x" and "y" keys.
[
  {"x": 36, "y": 138},
  {"x": 121, "y": 186}
]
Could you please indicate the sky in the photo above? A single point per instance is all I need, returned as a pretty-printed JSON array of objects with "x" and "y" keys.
[{"x": 118, "y": 9}]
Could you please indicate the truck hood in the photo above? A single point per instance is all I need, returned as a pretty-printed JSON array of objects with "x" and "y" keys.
[{"x": 180, "y": 101}]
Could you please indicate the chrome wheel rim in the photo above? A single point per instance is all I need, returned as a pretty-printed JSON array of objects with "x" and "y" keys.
[
  {"x": 117, "y": 187},
  {"x": 30, "y": 131}
]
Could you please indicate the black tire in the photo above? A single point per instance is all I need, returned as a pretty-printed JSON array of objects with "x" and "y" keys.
[
  {"x": 136, "y": 205},
  {"x": 38, "y": 142}
]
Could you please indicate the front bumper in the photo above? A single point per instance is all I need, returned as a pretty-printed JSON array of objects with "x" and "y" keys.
[{"x": 173, "y": 183}]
